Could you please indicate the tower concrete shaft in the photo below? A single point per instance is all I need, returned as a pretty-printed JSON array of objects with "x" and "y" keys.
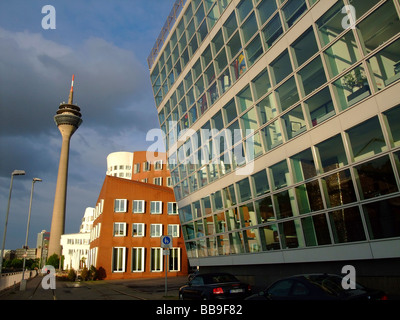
[{"x": 68, "y": 119}]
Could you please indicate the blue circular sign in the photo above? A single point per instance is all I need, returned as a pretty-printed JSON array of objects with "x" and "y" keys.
[{"x": 166, "y": 240}]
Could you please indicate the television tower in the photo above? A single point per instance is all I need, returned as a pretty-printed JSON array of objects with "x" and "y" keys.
[{"x": 68, "y": 119}]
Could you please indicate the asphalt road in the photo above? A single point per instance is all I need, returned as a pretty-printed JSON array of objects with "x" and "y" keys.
[{"x": 137, "y": 289}]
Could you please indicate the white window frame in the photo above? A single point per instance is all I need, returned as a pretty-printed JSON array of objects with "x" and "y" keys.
[
  {"x": 119, "y": 229},
  {"x": 146, "y": 166},
  {"x": 171, "y": 207},
  {"x": 173, "y": 230},
  {"x": 138, "y": 264},
  {"x": 169, "y": 182},
  {"x": 136, "y": 168},
  {"x": 140, "y": 229},
  {"x": 120, "y": 205},
  {"x": 157, "y": 181},
  {"x": 175, "y": 253},
  {"x": 156, "y": 266},
  {"x": 121, "y": 259},
  {"x": 138, "y": 206},
  {"x": 156, "y": 230},
  {"x": 158, "y": 165},
  {"x": 156, "y": 207}
]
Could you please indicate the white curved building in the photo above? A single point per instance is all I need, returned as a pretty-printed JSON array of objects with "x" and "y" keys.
[{"x": 119, "y": 164}]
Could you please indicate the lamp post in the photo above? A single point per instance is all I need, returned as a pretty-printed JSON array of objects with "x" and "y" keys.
[
  {"x": 23, "y": 281},
  {"x": 14, "y": 173}
]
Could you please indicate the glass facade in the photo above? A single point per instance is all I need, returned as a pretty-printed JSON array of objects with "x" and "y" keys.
[{"x": 248, "y": 89}]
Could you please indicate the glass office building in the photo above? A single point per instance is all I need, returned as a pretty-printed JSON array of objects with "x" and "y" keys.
[{"x": 282, "y": 123}]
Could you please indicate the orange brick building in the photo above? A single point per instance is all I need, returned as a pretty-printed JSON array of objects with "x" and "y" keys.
[{"x": 130, "y": 218}]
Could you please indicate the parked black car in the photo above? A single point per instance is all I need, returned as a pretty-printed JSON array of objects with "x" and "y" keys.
[
  {"x": 316, "y": 287},
  {"x": 210, "y": 286}
]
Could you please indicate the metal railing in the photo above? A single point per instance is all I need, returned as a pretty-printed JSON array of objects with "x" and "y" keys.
[{"x": 176, "y": 10}]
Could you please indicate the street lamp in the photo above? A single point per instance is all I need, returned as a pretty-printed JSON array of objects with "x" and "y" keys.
[
  {"x": 23, "y": 281},
  {"x": 14, "y": 173}
]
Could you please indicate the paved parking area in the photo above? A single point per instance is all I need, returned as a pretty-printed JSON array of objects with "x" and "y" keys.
[{"x": 132, "y": 289}]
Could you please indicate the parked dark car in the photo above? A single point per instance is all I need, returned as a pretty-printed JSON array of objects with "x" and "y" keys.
[
  {"x": 211, "y": 286},
  {"x": 316, "y": 287}
]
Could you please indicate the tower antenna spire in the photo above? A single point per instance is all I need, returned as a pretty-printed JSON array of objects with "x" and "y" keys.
[{"x": 71, "y": 93}]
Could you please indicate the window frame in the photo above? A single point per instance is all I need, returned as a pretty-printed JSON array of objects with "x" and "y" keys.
[
  {"x": 140, "y": 233},
  {"x": 154, "y": 232},
  {"x": 158, "y": 207},
  {"x": 121, "y": 232},
  {"x": 174, "y": 208},
  {"x": 124, "y": 207},
  {"x": 134, "y": 206}
]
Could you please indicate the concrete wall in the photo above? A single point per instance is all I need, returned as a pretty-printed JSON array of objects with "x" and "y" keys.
[{"x": 8, "y": 280}]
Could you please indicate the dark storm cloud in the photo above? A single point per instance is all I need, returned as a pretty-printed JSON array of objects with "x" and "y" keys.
[{"x": 105, "y": 44}]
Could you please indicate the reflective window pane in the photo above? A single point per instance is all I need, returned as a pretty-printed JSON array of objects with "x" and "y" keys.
[
  {"x": 287, "y": 94},
  {"x": 244, "y": 190},
  {"x": 234, "y": 46},
  {"x": 316, "y": 230},
  {"x": 249, "y": 27},
  {"x": 309, "y": 197},
  {"x": 342, "y": 54},
  {"x": 284, "y": 204},
  {"x": 347, "y": 225},
  {"x": 304, "y": 47},
  {"x": 260, "y": 183},
  {"x": 272, "y": 135},
  {"x": 383, "y": 218},
  {"x": 267, "y": 109},
  {"x": 352, "y": 88},
  {"x": 238, "y": 66},
  {"x": 247, "y": 215},
  {"x": 291, "y": 234},
  {"x": 339, "y": 189},
  {"x": 379, "y": 27},
  {"x": 266, "y": 9},
  {"x": 281, "y": 67},
  {"x": 270, "y": 238},
  {"x": 303, "y": 166},
  {"x": 294, "y": 122},
  {"x": 280, "y": 175},
  {"x": 376, "y": 178},
  {"x": 261, "y": 84},
  {"x": 385, "y": 65},
  {"x": 243, "y": 9},
  {"x": 312, "y": 76},
  {"x": 392, "y": 118},
  {"x": 253, "y": 51},
  {"x": 225, "y": 81},
  {"x": 330, "y": 24},
  {"x": 331, "y": 153},
  {"x": 320, "y": 107},
  {"x": 249, "y": 122},
  {"x": 244, "y": 99},
  {"x": 293, "y": 10},
  {"x": 272, "y": 31},
  {"x": 229, "y": 111},
  {"x": 264, "y": 210},
  {"x": 366, "y": 139},
  {"x": 229, "y": 196}
]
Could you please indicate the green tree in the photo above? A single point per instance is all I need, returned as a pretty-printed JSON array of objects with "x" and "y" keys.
[
  {"x": 71, "y": 275},
  {"x": 54, "y": 261}
]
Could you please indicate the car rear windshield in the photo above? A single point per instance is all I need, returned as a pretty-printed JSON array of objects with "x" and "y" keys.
[
  {"x": 330, "y": 284},
  {"x": 220, "y": 278}
]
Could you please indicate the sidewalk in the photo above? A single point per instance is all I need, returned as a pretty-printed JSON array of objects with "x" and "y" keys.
[{"x": 130, "y": 289}]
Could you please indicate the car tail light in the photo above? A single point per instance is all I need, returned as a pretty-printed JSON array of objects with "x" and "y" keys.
[
  {"x": 218, "y": 290},
  {"x": 384, "y": 297},
  {"x": 248, "y": 288}
]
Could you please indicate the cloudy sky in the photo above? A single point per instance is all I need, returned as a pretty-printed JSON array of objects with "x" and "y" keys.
[{"x": 105, "y": 44}]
